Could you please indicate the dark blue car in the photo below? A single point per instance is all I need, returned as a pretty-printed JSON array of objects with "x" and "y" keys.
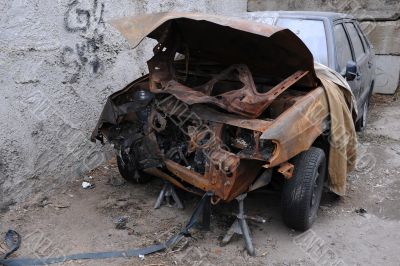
[{"x": 337, "y": 41}]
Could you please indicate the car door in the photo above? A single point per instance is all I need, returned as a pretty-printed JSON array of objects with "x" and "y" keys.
[
  {"x": 371, "y": 61},
  {"x": 362, "y": 61},
  {"x": 344, "y": 55}
]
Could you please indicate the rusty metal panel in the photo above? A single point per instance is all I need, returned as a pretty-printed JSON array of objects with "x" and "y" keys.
[{"x": 298, "y": 127}]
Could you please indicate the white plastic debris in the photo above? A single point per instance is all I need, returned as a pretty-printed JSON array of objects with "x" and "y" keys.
[
  {"x": 141, "y": 257},
  {"x": 87, "y": 185}
]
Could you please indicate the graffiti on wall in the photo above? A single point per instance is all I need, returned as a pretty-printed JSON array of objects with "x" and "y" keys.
[{"x": 84, "y": 17}]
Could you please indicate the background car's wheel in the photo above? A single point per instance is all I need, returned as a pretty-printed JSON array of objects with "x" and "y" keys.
[
  {"x": 362, "y": 122},
  {"x": 301, "y": 194},
  {"x": 128, "y": 170}
]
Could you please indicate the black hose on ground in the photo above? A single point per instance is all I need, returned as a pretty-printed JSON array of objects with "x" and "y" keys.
[{"x": 111, "y": 254}]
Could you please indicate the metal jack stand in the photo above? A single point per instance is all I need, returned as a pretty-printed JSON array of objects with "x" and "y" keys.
[
  {"x": 168, "y": 194},
  {"x": 240, "y": 227}
]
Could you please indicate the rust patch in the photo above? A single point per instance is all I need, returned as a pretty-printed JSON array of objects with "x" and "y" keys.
[{"x": 286, "y": 169}]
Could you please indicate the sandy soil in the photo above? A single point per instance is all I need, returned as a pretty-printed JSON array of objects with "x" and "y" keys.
[{"x": 74, "y": 220}]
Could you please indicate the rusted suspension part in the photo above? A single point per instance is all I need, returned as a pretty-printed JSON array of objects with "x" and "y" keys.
[{"x": 286, "y": 169}]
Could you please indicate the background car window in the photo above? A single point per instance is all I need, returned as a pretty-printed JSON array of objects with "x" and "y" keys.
[
  {"x": 363, "y": 37},
  {"x": 343, "y": 49},
  {"x": 355, "y": 40},
  {"x": 312, "y": 33}
]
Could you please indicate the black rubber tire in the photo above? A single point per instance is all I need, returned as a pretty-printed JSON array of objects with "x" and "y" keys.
[
  {"x": 361, "y": 124},
  {"x": 128, "y": 170},
  {"x": 301, "y": 194}
]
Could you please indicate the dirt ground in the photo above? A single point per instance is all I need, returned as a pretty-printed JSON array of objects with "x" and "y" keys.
[{"x": 362, "y": 228}]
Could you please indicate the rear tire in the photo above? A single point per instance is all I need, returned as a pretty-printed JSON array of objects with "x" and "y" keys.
[
  {"x": 361, "y": 124},
  {"x": 301, "y": 195},
  {"x": 128, "y": 170}
]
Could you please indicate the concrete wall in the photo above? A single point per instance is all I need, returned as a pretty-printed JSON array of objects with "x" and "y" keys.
[
  {"x": 379, "y": 19},
  {"x": 59, "y": 61}
]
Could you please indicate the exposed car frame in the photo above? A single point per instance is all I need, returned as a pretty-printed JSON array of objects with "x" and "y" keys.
[{"x": 226, "y": 104}]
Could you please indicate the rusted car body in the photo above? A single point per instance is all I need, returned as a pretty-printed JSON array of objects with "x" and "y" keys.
[{"x": 224, "y": 101}]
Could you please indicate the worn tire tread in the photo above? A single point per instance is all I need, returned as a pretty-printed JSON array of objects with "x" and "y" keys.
[
  {"x": 129, "y": 176},
  {"x": 297, "y": 191}
]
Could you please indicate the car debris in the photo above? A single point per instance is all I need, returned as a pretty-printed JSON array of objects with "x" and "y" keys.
[
  {"x": 227, "y": 106},
  {"x": 120, "y": 222},
  {"x": 361, "y": 211},
  {"x": 57, "y": 206},
  {"x": 87, "y": 185},
  {"x": 43, "y": 202}
]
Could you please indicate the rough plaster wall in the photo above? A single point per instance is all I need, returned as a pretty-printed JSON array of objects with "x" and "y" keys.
[
  {"x": 360, "y": 6},
  {"x": 59, "y": 61},
  {"x": 385, "y": 36},
  {"x": 376, "y": 17}
]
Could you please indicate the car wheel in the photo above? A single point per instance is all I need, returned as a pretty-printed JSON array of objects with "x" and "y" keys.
[
  {"x": 301, "y": 194},
  {"x": 362, "y": 122},
  {"x": 128, "y": 170}
]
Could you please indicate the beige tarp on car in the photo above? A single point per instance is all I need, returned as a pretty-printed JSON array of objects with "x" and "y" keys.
[{"x": 343, "y": 138}]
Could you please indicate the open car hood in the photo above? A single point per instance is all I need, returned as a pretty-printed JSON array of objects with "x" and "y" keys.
[{"x": 267, "y": 50}]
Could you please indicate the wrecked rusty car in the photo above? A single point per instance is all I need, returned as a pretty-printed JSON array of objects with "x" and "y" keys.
[{"x": 227, "y": 106}]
